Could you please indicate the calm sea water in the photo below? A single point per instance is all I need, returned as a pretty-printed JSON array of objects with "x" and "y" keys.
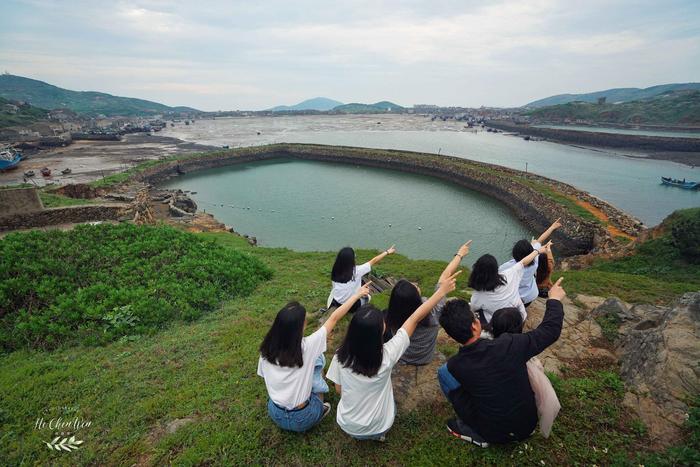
[
  {"x": 315, "y": 206},
  {"x": 626, "y": 131},
  {"x": 632, "y": 184}
]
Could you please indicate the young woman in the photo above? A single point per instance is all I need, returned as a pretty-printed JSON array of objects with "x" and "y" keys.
[
  {"x": 494, "y": 290},
  {"x": 291, "y": 365},
  {"x": 405, "y": 299},
  {"x": 509, "y": 320},
  {"x": 346, "y": 278},
  {"x": 545, "y": 267},
  {"x": 528, "y": 285},
  {"x": 361, "y": 368}
]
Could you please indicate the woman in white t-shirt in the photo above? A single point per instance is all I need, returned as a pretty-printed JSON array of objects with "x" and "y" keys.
[
  {"x": 291, "y": 365},
  {"x": 346, "y": 278},
  {"x": 494, "y": 290},
  {"x": 361, "y": 368}
]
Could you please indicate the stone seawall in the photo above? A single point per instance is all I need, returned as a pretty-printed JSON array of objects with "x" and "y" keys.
[
  {"x": 65, "y": 215},
  {"x": 608, "y": 140},
  {"x": 531, "y": 207}
]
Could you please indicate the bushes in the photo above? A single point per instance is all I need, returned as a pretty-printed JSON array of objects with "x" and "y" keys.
[
  {"x": 685, "y": 233},
  {"x": 94, "y": 284}
]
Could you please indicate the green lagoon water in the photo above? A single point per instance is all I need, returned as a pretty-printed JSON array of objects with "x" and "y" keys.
[{"x": 317, "y": 206}]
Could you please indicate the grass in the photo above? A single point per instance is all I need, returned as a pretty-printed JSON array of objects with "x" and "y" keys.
[
  {"x": 205, "y": 371},
  {"x": 561, "y": 199},
  {"x": 53, "y": 200}
]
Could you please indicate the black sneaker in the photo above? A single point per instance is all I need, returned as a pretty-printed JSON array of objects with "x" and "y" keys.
[{"x": 463, "y": 431}]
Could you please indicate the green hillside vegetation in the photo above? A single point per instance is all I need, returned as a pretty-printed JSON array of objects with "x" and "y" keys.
[
  {"x": 204, "y": 371},
  {"x": 25, "y": 114},
  {"x": 614, "y": 95},
  {"x": 671, "y": 108},
  {"x": 44, "y": 95},
  {"x": 378, "y": 107}
]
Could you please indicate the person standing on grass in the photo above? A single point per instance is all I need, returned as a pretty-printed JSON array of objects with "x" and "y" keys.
[
  {"x": 487, "y": 381},
  {"x": 528, "y": 284},
  {"x": 346, "y": 278},
  {"x": 494, "y": 290},
  {"x": 404, "y": 300},
  {"x": 361, "y": 368},
  {"x": 291, "y": 365}
]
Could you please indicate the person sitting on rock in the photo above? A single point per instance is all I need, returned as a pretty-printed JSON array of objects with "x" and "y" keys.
[
  {"x": 487, "y": 381},
  {"x": 404, "y": 301},
  {"x": 361, "y": 368},
  {"x": 346, "y": 278},
  {"x": 509, "y": 320},
  {"x": 545, "y": 268},
  {"x": 291, "y": 365},
  {"x": 528, "y": 285},
  {"x": 494, "y": 289}
]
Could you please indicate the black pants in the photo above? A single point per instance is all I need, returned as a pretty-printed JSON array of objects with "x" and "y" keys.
[{"x": 353, "y": 308}]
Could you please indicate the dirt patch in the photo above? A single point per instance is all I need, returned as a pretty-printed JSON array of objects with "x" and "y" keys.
[{"x": 601, "y": 216}]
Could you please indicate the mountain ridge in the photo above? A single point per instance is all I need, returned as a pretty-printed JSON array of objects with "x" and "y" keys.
[
  {"x": 315, "y": 103},
  {"x": 614, "y": 95}
]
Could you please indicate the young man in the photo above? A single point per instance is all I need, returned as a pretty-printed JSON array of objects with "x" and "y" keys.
[
  {"x": 487, "y": 381},
  {"x": 528, "y": 284}
]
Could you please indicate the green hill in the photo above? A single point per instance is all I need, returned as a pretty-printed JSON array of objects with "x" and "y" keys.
[
  {"x": 12, "y": 113},
  {"x": 317, "y": 103},
  {"x": 670, "y": 108},
  {"x": 378, "y": 107},
  {"x": 47, "y": 96},
  {"x": 615, "y": 95}
]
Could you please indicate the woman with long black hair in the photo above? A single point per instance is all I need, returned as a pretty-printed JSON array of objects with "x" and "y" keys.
[
  {"x": 361, "y": 368},
  {"x": 404, "y": 300},
  {"x": 346, "y": 277},
  {"x": 291, "y": 365}
]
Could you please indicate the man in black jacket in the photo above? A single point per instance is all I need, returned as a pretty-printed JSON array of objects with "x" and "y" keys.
[{"x": 487, "y": 381}]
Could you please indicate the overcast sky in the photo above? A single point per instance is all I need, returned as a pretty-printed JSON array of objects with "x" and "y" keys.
[{"x": 256, "y": 54}]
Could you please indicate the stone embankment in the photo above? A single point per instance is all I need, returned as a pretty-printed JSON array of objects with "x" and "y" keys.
[
  {"x": 65, "y": 215},
  {"x": 515, "y": 189}
]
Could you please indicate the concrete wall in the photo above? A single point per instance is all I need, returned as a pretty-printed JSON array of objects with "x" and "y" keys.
[{"x": 19, "y": 200}]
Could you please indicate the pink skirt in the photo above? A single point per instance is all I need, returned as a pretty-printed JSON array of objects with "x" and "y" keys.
[{"x": 546, "y": 399}]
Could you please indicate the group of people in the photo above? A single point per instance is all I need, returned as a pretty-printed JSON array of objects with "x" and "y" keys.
[{"x": 498, "y": 390}]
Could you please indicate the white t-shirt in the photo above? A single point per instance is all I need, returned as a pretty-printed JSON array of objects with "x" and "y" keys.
[
  {"x": 503, "y": 296},
  {"x": 366, "y": 404},
  {"x": 528, "y": 284},
  {"x": 342, "y": 291},
  {"x": 291, "y": 387}
]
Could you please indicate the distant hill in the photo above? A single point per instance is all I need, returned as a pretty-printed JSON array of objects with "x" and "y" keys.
[
  {"x": 47, "y": 96},
  {"x": 378, "y": 107},
  {"x": 317, "y": 103},
  {"x": 12, "y": 113},
  {"x": 614, "y": 95},
  {"x": 669, "y": 108}
]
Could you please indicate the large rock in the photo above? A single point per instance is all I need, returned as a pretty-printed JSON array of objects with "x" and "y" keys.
[
  {"x": 659, "y": 353},
  {"x": 185, "y": 203},
  {"x": 616, "y": 308},
  {"x": 416, "y": 386}
]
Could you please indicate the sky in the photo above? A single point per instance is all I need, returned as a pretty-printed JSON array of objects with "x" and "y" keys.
[{"x": 249, "y": 55}]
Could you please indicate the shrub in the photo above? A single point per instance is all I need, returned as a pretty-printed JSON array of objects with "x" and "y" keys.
[
  {"x": 686, "y": 237},
  {"x": 94, "y": 284}
]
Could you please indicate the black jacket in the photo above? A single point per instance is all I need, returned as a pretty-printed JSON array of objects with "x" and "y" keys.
[{"x": 495, "y": 397}]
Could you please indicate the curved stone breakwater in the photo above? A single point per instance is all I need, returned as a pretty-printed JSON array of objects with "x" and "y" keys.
[{"x": 520, "y": 191}]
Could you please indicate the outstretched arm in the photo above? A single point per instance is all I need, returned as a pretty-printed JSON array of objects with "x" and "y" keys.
[
  {"x": 535, "y": 253},
  {"x": 454, "y": 264},
  {"x": 545, "y": 235},
  {"x": 343, "y": 309},
  {"x": 446, "y": 286},
  {"x": 382, "y": 255}
]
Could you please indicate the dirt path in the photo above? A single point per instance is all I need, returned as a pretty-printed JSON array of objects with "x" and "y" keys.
[{"x": 600, "y": 215}]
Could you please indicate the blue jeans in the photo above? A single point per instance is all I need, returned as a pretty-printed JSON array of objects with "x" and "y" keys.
[
  {"x": 448, "y": 383},
  {"x": 300, "y": 420}
]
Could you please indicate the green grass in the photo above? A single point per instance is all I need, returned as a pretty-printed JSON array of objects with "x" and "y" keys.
[
  {"x": 205, "y": 370},
  {"x": 561, "y": 199},
  {"x": 53, "y": 200}
]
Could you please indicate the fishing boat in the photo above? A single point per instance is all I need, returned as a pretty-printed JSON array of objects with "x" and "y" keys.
[
  {"x": 29, "y": 173},
  {"x": 66, "y": 171},
  {"x": 9, "y": 159},
  {"x": 688, "y": 185},
  {"x": 46, "y": 172}
]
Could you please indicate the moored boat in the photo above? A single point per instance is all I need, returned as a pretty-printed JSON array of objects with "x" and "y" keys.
[
  {"x": 688, "y": 185},
  {"x": 66, "y": 171},
  {"x": 46, "y": 172},
  {"x": 9, "y": 159},
  {"x": 29, "y": 173}
]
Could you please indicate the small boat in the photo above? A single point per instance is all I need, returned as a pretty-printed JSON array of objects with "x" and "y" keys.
[
  {"x": 66, "y": 171},
  {"x": 9, "y": 159},
  {"x": 680, "y": 183},
  {"x": 29, "y": 173},
  {"x": 46, "y": 172}
]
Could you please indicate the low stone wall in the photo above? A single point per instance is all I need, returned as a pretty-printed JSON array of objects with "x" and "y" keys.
[
  {"x": 532, "y": 208},
  {"x": 65, "y": 215},
  {"x": 17, "y": 200}
]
